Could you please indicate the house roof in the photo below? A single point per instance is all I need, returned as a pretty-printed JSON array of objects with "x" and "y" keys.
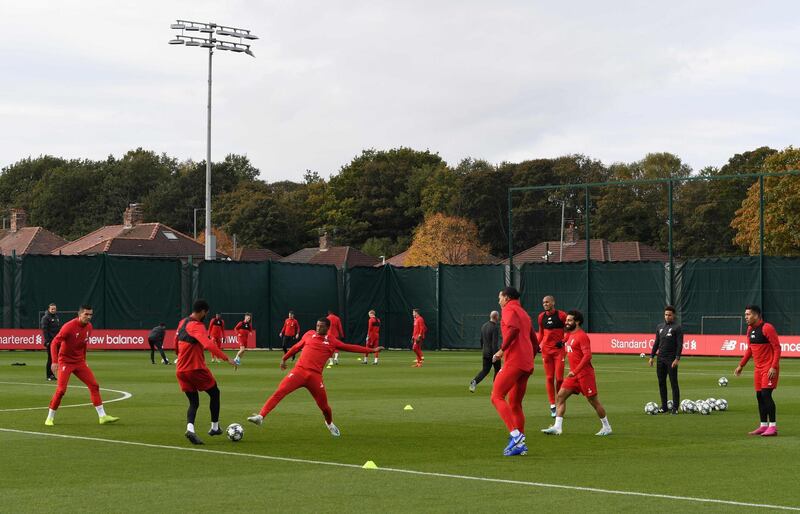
[
  {"x": 257, "y": 254},
  {"x": 339, "y": 256},
  {"x": 599, "y": 250},
  {"x": 398, "y": 260},
  {"x": 29, "y": 240},
  {"x": 153, "y": 239}
]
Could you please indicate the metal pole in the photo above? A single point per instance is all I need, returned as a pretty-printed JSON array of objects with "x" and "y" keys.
[
  {"x": 588, "y": 261},
  {"x": 561, "y": 250},
  {"x": 194, "y": 217},
  {"x": 671, "y": 254},
  {"x": 761, "y": 241},
  {"x": 209, "y": 250},
  {"x": 510, "y": 244}
]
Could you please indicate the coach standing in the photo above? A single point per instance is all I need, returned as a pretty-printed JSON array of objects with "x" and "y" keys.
[
  {"x": 490, "y": 343},
  {"x": 50, "y": 325},
  {"x": 668, "y": 345}
]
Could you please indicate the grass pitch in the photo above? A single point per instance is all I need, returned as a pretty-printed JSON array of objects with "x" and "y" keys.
[{"x": 445, "y": 455}]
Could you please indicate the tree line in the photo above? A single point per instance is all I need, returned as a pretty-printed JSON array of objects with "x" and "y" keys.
[{"x": 380, "y": 199}]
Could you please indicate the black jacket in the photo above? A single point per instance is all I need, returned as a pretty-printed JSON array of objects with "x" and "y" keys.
[
  {"x": 669, "y": 342},
  {"x": 490, "y": 338},
  {"x": 50, "y": 325},
  {"x": 157, "y": 334}
]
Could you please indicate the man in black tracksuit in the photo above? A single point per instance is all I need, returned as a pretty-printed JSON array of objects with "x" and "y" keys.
[
  {"x": 668, "y": 345},
  {"x": 50, "y": 325},
  {"x": 490, "y": 342},
  {"x": 156, "y": 341}
]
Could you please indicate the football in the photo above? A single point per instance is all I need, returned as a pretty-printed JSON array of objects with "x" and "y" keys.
[
  {"x": 703, "y": 408},
  {"x": 651, "y": 408},
  {"x": 235, "y": 432},
  {"x": 723, "y": 382},
  {"x": 641, "y": 355},
  {"x": 688, "y": 407},
  {"x": 722, "y": 404},
  {"x": 670, "y": 404}
]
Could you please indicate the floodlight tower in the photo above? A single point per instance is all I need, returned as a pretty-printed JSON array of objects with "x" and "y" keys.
[{"x": 211, "y": 36}]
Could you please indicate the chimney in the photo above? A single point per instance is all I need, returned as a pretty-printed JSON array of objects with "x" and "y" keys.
[
  {"x": 324, "y": 242},
  {"x": 132, "y": 215},
  {"x": 19, "y": 219},
  {"x": 570, "y": 233}
]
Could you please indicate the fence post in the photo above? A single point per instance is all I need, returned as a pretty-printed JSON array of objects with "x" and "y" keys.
[
  {"x": 761, "y": 241},
  {"x": 670, "y": 220},
  {"x": 439, "y": 304},
  {"x": 588, "y": 263},
  {"x": 269, "y": 305}
]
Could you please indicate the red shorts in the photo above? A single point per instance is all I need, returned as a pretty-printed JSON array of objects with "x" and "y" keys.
[
  {"x": 761, "y": 379},
  {"x": 584, "y": 383},
  {"x": 195, "y": 380},
  {"x": 372, "y": 343},
  {"x": 242, "y": 339}
]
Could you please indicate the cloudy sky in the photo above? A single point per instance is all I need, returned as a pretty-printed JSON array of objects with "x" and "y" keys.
[{"x": 502, "y": 81}]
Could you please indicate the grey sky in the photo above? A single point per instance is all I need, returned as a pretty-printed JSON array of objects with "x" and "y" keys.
[{"x": 491, "y": 80}]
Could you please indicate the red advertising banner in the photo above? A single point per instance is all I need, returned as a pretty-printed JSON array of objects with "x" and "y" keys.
[
  {"x": 710, "y": 345},
  {"x": 104, "y": 339}
]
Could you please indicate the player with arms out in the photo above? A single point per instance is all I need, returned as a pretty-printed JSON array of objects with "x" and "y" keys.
[
  {"x": 581, "y": 379},
  {"x": 317, "y": 346},
  {"x": 216, "y": 331},
  {"x": 373, "y": 335},
  {"x": 417, "y": 337},
  {"x": 191, "y": 371},
  {"x": 68, "y": 352},
  {"x": 765, "y": 349},
  {"x": 551, "y": 339},
  {"x": 517, "y": 352},
  {"x": 243, "y": 329}
]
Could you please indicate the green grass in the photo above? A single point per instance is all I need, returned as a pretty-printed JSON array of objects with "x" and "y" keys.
[{"x": 450, "y": 431}]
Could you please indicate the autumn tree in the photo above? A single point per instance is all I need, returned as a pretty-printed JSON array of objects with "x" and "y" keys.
[
  {"x": 781, "y": 209},
  {"x": 446, "y": 239}
]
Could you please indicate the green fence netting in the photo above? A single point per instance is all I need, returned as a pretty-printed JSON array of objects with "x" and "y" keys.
[
  {"x": 627, "y": 294},
  {"x": 366, "y": 289},
  {"x": 782, "y": 293},
  {"x": 467, "y": 295},
  {"x": 565, "y": 281},
  {"x": 411, "y": 288},
  {"x": 141, "y": 292}
]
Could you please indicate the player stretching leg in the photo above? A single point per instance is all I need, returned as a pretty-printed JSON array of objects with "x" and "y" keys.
[
  {"x": 512, "y": 380},
  {"x": 581, "y": 379},
  {"x": 317, "y": 347},
  {"x": 68, "y": 351},
  {"x": 243, "y": 329},
  {"x": 765, "y": 348}
]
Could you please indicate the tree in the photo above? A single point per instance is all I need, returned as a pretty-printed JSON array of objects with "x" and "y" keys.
[
  {"x": 781, "y": 209},
  {"x": 484, "y": 190},
  {"x": 446, "y": 239}
]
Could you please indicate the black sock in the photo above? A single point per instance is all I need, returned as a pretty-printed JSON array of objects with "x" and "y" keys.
[
  {"x": 769, "y": 405},
  {"x": 194, "y": 404},
  {"x": 214, "y": 394}
]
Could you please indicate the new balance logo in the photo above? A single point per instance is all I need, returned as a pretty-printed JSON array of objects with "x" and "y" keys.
[{"x": 728, "y": 345}]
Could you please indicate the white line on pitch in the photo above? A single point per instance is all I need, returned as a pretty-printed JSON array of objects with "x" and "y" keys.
[
  {"x": 125, "y": 396},
  {"x": 411, "y": 471}
]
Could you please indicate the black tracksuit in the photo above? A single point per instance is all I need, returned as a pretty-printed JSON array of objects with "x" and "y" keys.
[
  {"x": 490, "y": 342},
  {"x": 50, "y": 325},
  {"x": 668, "y": 344},
  {"x": 156, "y": 341}
]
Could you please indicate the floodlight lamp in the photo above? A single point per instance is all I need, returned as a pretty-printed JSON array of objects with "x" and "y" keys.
[
  {"x": 176, "y": 41},
  {"x": 207, "y": 30},
  {"x": 224, "y": 32},
  {"x": 220, "y": 46},
  {"x": 193, "y": 43},
  {"x": 207, "y": 45},
  {"x": 249, "y": 36},
  {"x": 236, "y": 49},
  {"x": 250, "y": 53},
  {"x": 192, "y": 28},
  {"x": 178, "y": 26}
]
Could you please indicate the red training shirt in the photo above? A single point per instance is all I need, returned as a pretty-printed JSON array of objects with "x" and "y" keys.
[
  {"x": 579, "y": 352},
  {"x": 763, "y": 345},
  {"x": 373, "y": 328},
  {"x": 290, "y": 327},
  {"x": 190, "y": 355},
  {"x": 318, "y": 349},
  {"x": 243, "y": 328},
  {"x": 420, "y": 329},
  {"x": 551, "y": 328},
  {"x": 335, "y": 330},
  {"x": 518, "y": 337},
  {"x": 69, "y": 346},
  {"x": 216, "y": 329}
]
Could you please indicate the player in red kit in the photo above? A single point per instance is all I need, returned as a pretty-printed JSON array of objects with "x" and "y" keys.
[
  {"x": 317, "y": 346},
  {"x": 765, "y": 348},
  {"x": 191, "y": 371},
  {"x": 216, "y": 331},
  {"x": 335, "y": 331},
  {"x": 551, "y": 341},
  {"x": 68, "y": 352},
  {"x": 373, "y": 335},
  {"x": 290, "y": 332},
  {"x": 417, "y": 337},
  {"x": 581, "y": 379},
  {"x": 243, "y": 329},
  {"x": 517, "y": 352}
]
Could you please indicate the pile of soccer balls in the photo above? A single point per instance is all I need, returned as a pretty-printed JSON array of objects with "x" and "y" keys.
[{"x": 701, "y": 406}]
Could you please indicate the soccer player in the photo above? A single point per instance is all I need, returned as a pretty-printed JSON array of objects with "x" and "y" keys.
[
  {"x": 50, "y": 325},
  {"x": 156, "y": 341},
  {"x": 68, "y": 351},
  {"x": 191, "y": 371},
  {"x": 290, "y": 332},
  {"x": 336, "y": 331},
  {"x": 581, "y": 379},
  {"x": 668, "y": 345},
  {"x": 317, "y": 346},
  {"x": 417, "y": 337},
  {"x": 551, "y": 339},
  {"x": 243, "y": 329},
  {"x": 490, "y": 343},
  {"x": 517, "y": 353},
  {"x": 373, "y": 335},
  {"x": 216, "y": 331},
  {"x": 765, "y": 348}
]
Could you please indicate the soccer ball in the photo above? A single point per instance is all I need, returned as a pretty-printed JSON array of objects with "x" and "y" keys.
[
  {"x": 687, "y": 406},
  {"x": 235, "y": 432},
  {"x": 723, "y": 382},
  {"x": 703, "y": 408},
  {"x": 722, "y": 404},
  {"x": 670, "y": 404},
  {"x": 651, "y": 408},
  {"x": 641, "y": 355},
  {"x": 712, "y": 403}
]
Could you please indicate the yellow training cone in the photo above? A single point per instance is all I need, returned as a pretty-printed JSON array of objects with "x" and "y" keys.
[
  {"x": 408, "y": 407},
  {"x": 369, "y": 465}
]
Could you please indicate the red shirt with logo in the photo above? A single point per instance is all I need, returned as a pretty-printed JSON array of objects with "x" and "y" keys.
[
  {"x": 318, "y": 349},
  {"x": 69, "y": 346}
]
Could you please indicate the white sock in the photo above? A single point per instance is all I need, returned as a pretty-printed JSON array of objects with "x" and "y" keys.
[
  {"x": 51, "y": 414},
  {"x": 515, "y": 433},
  {"x": 215, "y": 425},
  {"x": 605, "y": 422},
  {"x": 559, "y": 422},
  {"x": 552, "y": 405},
  {"x": 190, "y": 427},
  {"x": 376, "y": 360},
  {"x": 773, "y": 423},
  {"x": 764, "y": 424},
  {"x": 100, "y": 410}
]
